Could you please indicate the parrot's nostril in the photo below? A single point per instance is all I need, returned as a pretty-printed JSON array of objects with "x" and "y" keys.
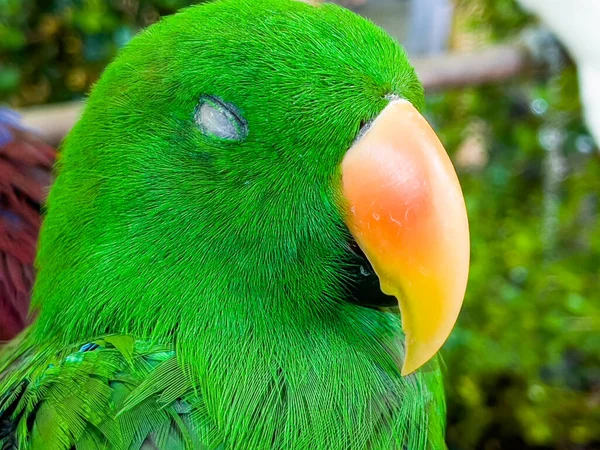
[{"x": 392, "y": 97}]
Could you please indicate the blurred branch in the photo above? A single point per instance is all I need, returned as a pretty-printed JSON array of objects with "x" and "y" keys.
[
  {"x": 455, "y": 70},
  {"x": 52, "y": 122},
  {"x": 493, "y": 65}
]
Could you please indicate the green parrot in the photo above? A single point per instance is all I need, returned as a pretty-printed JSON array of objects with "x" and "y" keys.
[{"x": 254, "y": 241}]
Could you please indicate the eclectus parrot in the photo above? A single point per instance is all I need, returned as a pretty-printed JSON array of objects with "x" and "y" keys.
[{"x": 244, "y": 179}]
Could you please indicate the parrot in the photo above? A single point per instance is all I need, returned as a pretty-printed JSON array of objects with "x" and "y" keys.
[
  {"x": 25, "y": 173},
  {"x": 254, "y": 240}
]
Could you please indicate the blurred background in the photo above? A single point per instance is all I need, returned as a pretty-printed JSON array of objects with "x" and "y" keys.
[{"x": 522, "y": 367}]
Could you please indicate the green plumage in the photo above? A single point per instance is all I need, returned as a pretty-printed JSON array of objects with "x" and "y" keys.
[{"x": 213, "y": 274}]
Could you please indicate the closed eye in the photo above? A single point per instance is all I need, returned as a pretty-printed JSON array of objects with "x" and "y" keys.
[{"x": 218, "y": 119}]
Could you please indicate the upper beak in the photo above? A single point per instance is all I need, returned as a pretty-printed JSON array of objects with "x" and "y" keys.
[{"x": 407, "y": 213}]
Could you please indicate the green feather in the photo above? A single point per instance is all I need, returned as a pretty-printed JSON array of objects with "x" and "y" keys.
[{"x": 213, "y": 273}]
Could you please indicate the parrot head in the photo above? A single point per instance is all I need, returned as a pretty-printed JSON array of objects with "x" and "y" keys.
[{"x": 254, "y": 167}]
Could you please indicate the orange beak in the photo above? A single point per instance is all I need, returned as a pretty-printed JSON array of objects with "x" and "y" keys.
[{"x": 407, "y": 213}]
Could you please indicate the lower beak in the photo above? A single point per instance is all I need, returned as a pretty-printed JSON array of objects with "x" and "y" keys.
[{"x": 407, "y": 213}]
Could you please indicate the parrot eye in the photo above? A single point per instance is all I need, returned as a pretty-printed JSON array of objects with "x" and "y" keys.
[{"x": 218, "y": 119}]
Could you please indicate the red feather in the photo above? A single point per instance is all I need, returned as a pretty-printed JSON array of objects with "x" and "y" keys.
[{"x": 25, "y": 175}]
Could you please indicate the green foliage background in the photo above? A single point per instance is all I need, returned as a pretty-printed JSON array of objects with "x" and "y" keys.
[{"x": 523, "y": 364}]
